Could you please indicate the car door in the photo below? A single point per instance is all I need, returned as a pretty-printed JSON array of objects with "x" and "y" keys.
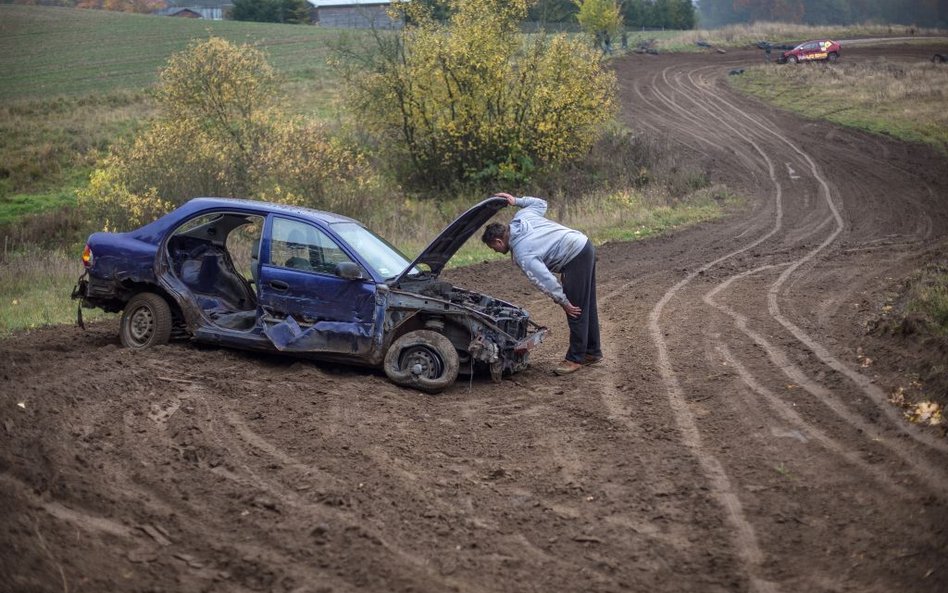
[
  {"x": 308, "y": 307},
  {"x": 811, "y": 51}
]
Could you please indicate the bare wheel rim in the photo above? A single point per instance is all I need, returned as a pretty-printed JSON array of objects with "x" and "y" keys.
[
  {"x": 421, "y": 362},
  {"x": 141, "y": 325}
]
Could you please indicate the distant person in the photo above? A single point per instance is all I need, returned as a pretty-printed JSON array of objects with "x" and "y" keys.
[
  {"x": 542, "y": 248},
  {"x": 624, "y": 40},
  {"x": 607, "y": 42}
]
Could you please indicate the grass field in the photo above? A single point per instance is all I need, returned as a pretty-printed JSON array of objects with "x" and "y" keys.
[{"x": 47, "y": 52}]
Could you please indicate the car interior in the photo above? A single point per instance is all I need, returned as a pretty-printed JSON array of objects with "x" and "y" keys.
[{"x": 202, "y": 255}]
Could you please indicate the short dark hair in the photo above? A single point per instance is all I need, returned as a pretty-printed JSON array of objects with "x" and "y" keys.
[{"x": 494, "y": 230}]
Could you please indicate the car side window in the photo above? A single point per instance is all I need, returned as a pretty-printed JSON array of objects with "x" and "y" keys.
[{"x": 301, "y": 246}]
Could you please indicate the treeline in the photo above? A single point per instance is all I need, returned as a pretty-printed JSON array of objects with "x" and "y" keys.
[
  {"x": 652, "y": 14},
  {"x": 271, "y": 11},
  {"x": 922, "y": 13}
]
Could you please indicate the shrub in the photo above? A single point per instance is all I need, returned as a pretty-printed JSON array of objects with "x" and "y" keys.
[
  {"x": 218, "y": 134},
  {"x": 472, "y": 99},
  {"x": 599, "y": 16}
]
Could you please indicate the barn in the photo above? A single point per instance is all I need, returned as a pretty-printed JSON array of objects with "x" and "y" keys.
[
  {"x": 352, "y": 14},
  {"x": 213, "y": 10}
]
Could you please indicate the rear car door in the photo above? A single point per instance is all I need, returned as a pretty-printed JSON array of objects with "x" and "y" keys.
[{"x": 307, "y": 307}]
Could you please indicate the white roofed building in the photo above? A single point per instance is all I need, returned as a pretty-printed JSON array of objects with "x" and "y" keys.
[{"x": 352, "y": 14}]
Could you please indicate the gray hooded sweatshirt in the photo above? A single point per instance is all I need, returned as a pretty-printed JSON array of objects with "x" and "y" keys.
[{"x": 542, "y": 247}]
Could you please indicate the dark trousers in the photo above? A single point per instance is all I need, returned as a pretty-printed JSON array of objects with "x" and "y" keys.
[{"x": 579, "y": 284}]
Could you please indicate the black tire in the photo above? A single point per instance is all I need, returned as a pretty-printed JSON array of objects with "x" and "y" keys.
[
  {"x": 833, "y": 56},
  {"x": 938, "y": 59},
  {"x": 146, "y": 321},
  {"x": 791, "y": 59},
  {"x": 422, "y": 359}
]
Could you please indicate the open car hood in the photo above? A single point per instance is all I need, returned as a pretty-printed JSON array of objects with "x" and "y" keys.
[{"x": 445, "y": 245}]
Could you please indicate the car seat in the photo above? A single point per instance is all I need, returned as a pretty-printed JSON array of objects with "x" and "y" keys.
[{"x": 296, "y": 239}]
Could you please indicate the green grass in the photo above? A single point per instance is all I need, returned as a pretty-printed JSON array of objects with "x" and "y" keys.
[
  {"x": 47, "y": 52},
  {"x": 35, "y": 285},
  {"x": 16, "y": 206}
]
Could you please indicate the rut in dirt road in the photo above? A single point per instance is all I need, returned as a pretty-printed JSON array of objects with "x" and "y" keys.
[
  {"x": 803, "y": 209},
  {"x": 733, "y": 439}
]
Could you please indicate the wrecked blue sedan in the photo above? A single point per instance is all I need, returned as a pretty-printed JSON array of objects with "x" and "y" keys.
[{"x": 269, "y": 277}]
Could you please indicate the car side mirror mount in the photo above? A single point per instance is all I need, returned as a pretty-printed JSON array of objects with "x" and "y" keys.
[{"x": 349, "y": 271}]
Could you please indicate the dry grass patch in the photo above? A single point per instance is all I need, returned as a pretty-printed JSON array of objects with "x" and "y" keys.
[{"x": 903, "y": 100}]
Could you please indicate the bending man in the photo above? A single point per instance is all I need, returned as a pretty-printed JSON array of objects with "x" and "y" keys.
[{"x": 542, "y": 248}]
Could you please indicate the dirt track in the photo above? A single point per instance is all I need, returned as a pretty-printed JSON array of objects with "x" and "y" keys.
[{"x": 738, "y": 437}]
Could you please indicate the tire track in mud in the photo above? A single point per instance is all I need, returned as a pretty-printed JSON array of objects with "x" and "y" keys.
[
  {"x": 781, "y": 361},
  {"x": 403, "y": 477},
  {"x": 732, "y": 118},
  {"x": 864, "y": 383},
  {"x": 224, "y": 429},
  {"x": 774, "y": 292},
  {"x": 409, "y": 567},
  {"x": 745, "y": 539}
]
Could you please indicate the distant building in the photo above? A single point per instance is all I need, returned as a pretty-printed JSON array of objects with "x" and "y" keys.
[
  {"x": 181, "y": 13},
  {"x": 211, "y": 10},
  {"x": 352, "y": 14}
]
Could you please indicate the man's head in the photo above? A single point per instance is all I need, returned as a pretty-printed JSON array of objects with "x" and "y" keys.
[{"x": 497, "y": 237}]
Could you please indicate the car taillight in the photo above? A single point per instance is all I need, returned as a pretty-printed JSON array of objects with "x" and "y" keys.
[{"x": 87, "y": 256}]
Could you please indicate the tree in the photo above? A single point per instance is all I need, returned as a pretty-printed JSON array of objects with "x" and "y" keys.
[
  {"x": 598, "y": 16},
  {"x": 552, "y": 11},
  {"x": 473, "y": 100},
  {"x": 219, "y": 133}
]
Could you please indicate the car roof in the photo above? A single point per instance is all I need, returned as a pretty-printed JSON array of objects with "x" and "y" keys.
[{"x": 198, "y": 204}]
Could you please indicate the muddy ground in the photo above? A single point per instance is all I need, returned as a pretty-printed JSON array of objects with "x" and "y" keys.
[{"x": 737, "y": 438}]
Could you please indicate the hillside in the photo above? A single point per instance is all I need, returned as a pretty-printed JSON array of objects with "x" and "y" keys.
[{"x": 47, "y": 51}]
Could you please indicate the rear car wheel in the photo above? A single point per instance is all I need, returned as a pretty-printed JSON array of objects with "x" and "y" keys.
[
  {"x": 146, "y": 321},
  {"x": 422, "y": 359},
  {"x": 791, "y": 59}
]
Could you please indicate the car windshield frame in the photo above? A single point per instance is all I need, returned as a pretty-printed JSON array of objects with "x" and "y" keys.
[{"x": 378, "y": 254}]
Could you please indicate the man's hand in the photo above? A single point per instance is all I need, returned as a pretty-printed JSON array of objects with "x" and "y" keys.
[
  {"x": 571, "y": 309},
  {"x": 510, "y": 199}
]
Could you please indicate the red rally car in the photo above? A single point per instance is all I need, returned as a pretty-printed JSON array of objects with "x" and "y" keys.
[{"x": 810, "y": 51}]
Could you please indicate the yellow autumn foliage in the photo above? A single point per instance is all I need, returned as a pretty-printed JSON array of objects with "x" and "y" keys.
[
  {"x": 474, "y": 99},
  {"x": 219, "y": 133}
]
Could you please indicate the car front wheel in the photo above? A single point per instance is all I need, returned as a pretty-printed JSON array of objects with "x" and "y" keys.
[
  {"x": 146, "y": 321},
  {"x": 833, "y": 57},
  {"x": 422, "y": 359}
]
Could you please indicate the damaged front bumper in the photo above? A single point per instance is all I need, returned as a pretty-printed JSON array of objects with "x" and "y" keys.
[{"x": 501, "y": 360}]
